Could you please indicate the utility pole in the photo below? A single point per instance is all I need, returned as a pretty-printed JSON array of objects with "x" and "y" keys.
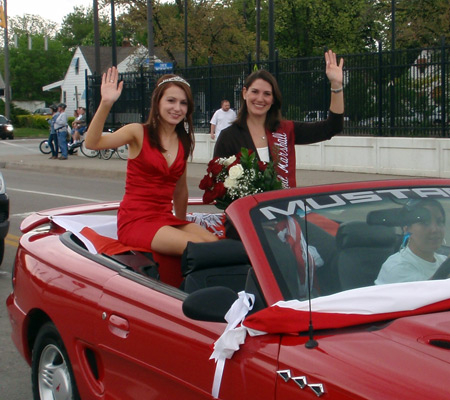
[
  {"x": 258, "y": 31},
  {"x": 151, "y": 44},
  {"x": 185, "y": 33},
  {"x": 113, "y": 35},
  {"x": 4, "y": 24},
  {"x": 96, "y": 39},
  {"x": 271, "y": 32}
]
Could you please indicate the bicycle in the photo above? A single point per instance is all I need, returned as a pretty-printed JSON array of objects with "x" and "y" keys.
[
  {"x": 44, "y": 147},
  {"x": 122, "y": 153},
  {"x": 88, "y": 152}
]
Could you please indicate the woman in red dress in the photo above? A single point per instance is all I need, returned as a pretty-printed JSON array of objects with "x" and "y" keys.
[{"x": 156, "y": 169}]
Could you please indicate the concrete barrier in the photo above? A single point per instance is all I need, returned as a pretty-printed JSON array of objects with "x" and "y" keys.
[{"x": 427, "y": 157}]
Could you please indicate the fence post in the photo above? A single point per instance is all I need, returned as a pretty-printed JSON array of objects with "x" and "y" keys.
[
  {"x": 276, "y": 66},
  {"x": 443, "y": 86},
  {"x": 249, "y": 61},
  {"x": 142, "y": 93},
  {"x": 208, "y": 115},
  {"x": 86, "y": 92},
  {"x": 380, "y": 88},
  {"x": 392, "y": 92},
  {"x": 326, "y": 91}
]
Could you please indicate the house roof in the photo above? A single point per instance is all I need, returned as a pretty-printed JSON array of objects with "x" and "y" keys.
[{"x": 105, "y": 56}]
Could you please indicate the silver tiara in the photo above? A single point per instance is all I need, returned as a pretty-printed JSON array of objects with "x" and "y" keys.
[{"x": 174, "y": 79}]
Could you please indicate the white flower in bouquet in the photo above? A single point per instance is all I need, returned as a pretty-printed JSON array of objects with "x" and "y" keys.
[
  {"x": 228, "y": 179},
  {"x": 236, "y": 171},
  {"x": 230, "y": 183},
  {"x": 228, "y": 161}
]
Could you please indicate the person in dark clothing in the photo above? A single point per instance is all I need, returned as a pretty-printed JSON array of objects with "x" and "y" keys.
[{"x": 261, "y": 128}]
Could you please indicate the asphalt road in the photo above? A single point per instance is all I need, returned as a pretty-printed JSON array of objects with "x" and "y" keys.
[{"x": 35, "y": 183}]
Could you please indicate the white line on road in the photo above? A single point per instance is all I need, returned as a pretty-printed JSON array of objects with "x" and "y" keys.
[
  {"x": 10, "y": 189},
  {"x": 20, "y": 146}
]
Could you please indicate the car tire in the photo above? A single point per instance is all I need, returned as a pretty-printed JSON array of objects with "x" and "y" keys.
[
  {"x": 2, "y": 250},
  {"x": 51, "y": 371}
]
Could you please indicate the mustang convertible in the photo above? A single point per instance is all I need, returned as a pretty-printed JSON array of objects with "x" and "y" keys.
[{"x": 335, "y": 291}]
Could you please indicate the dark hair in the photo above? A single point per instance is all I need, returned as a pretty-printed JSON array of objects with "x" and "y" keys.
[
  {"x": 273, "y": 117},
  {"x": 185, "y": 137},
  {"x": 411, "y": 210}
]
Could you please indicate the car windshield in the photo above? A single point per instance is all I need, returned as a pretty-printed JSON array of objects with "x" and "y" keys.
[
  {"x": 3, "y": 120},
  {"x": 341, "y": 241}
]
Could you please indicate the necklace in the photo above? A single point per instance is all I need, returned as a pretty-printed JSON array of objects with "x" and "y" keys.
[{"x": 263, "y": 137}]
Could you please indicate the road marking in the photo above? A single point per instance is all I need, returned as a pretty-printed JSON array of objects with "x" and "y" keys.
[
  {"x": 23, "y": 215},
  {"x": 55, "y": 195},
  {"x": 12, "y": 240},
  {"x": 21, "y": 147}
]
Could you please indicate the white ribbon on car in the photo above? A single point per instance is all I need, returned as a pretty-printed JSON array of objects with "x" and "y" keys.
[{"x": 231, "y": 338}]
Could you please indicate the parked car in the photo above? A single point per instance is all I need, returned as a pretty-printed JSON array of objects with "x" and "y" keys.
[
  {"x": 43, "y": 111},
  {"x": 6, "y": 128},
  {"x": 299, "y": 274},
  {"x": 4, "y": 216}
]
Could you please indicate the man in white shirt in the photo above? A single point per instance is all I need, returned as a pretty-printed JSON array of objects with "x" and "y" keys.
[
  {"x": 61, "y": 129},
  {"x": 222, "y": 119}
]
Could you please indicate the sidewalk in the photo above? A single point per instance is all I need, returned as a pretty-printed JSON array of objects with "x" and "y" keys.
[{"x": 115, "y": 168}]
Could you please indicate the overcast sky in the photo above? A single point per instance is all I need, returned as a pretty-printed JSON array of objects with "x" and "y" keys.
[{"x": 54, "y": 10}]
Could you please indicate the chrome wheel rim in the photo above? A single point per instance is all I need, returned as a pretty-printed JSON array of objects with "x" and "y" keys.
[{"x": 53, "y": 375}]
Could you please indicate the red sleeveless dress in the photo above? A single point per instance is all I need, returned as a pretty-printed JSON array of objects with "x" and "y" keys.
[{"x": 147, "y": 203}]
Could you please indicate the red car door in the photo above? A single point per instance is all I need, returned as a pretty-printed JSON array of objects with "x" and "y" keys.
[{"x": 149, "y": 349}]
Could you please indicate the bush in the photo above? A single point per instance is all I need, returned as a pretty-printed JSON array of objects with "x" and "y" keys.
[
  {"x": 14, "y": 111},
  {"x": 33, "y": 121}
]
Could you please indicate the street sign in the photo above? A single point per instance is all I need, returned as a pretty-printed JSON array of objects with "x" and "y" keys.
[{"x": 163, "y": 66}]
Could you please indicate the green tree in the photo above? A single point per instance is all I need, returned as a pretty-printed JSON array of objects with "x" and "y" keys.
[
  {"x": 420, "y": 23},
  {"x": 31, "y": 69},
  {"x": 215, "y": 29},
  {"x": 29, "y": 24},
  {"x": 78, "y": 29}
]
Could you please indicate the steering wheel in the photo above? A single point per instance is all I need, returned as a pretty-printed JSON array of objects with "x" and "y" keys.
[{"x": 443, "y": 271}]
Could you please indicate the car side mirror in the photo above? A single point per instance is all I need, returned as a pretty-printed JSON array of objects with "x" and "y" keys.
[{"x": 209, "y": 304}]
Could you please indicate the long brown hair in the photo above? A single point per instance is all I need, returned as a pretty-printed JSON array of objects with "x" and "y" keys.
[
  {"x": 186, "y": 137},
  {"x": 273, "y": 117}
]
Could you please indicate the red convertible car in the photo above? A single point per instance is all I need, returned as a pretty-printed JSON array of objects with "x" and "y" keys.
[{"x": 335, "y": 291}]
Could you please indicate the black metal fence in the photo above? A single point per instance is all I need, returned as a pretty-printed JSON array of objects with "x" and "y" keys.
[{"x": 400, "y": 93}]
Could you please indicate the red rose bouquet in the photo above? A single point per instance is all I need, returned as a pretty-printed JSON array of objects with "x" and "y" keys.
[{"x": 228, "y": 179}]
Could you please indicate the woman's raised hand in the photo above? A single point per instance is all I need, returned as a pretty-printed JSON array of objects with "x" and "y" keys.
[
  {"x": 334, "y": 70},
  {"x": 111, "y": 87}
]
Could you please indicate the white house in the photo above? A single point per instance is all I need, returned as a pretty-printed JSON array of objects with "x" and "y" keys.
[{"x": 73, "y": 86}]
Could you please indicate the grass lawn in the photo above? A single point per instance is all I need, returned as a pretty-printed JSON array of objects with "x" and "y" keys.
[{"x": 30, "y": 133}]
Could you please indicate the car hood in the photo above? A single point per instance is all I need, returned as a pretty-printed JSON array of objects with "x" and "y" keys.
[{"x": 405, "y": 358}]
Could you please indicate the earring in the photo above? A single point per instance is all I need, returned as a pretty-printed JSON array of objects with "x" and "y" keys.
[{"x": 186, "y": 126}]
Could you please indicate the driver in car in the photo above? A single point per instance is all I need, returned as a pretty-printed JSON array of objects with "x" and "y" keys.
[{"x": 417, "y": 259}]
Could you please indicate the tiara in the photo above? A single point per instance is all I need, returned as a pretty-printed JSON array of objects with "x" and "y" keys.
[{"x": 174, "y": 79}]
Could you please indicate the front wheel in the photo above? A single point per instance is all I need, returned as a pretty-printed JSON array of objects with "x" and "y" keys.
[
  {"x": 106, "y": 154},
  {"x": 122, "y": 152},
  {"x": 88, "y": 152},
  {"x": 44, "y": 147},
  {"x": 51, "y": 372}
]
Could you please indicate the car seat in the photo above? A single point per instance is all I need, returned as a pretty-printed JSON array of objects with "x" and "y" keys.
[
  {"x": 361, "y": 250},
  {"x": 221, "y": 263}
]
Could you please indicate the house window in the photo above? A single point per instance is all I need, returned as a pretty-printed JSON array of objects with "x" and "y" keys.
[{"x": 76, "y": 65}]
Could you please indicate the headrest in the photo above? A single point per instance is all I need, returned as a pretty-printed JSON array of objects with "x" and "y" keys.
[
  {"x": 225, "y": 252},
  {"x": 359, "y": 234}
]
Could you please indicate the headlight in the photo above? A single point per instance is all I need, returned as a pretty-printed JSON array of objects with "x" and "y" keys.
[{"x": 9, "y": 128}]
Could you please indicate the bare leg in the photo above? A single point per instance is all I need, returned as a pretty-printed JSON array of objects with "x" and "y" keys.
[{"x": 172, "y": 240}]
